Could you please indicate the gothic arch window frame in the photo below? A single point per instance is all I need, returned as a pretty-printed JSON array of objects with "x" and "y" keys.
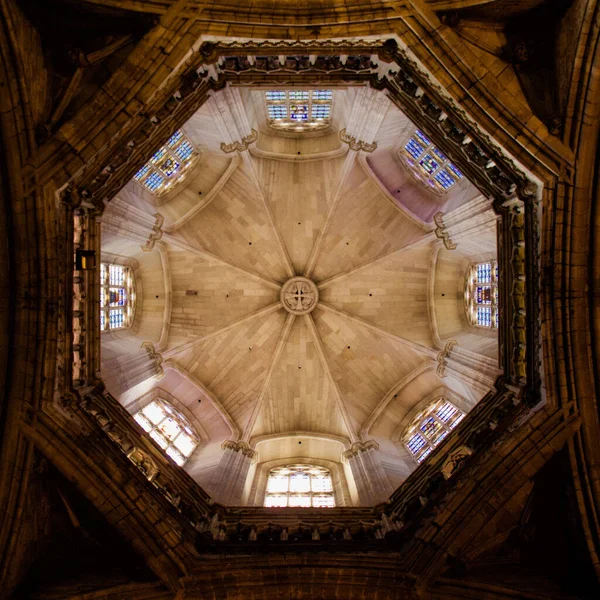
[
  {"x": 169, "y": 429},
  {"x": 284, "y": 108},
  {"x": 302, "y": 483},
  {"x": 428, "y": 165},
  {"x": 168, "y": 166},
  {"x": 117, "y": 296},
  {"x": 482, "y": 294},
  {"x": 430, "y": 427}
]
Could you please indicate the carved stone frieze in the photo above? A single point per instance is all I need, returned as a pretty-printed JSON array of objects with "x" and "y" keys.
[{"x": 355, "y": 144}]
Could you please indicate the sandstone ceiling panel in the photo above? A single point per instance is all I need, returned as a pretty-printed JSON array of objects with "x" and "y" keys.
[
  {"x": 298, "y": 193},
  {"x": 299, "y": 396},
  {"x": 391, "y": 293},
  {"x": 364, "y": 363},
  {"x": 223, "y": 296},
  {"x": 235, "y": 226},
  {"x": 365, "y": 226},
  {"x": 233, "y": 365}
]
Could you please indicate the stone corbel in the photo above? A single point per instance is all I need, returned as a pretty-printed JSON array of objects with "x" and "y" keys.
[
  {"x": 355, "y": 144},
  {"x": 155, "y": 357},
  {"x": 242, "y": 447},
  {"x": 443, "y": 356},
  {"x": 156, "y": 233},
  {"x": 454, "y": 461},
  {"x": 238, "y": 146},
  {"x": 441, "y": 231},
  {"x": 358, "y": 448}
]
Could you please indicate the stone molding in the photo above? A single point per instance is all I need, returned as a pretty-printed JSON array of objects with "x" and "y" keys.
[
  {"x": 443, "y": 356},
  {"x": 241, "y": 447},
  {"x": 358, "y": 448},
  {"x": 155, "y": 357}
]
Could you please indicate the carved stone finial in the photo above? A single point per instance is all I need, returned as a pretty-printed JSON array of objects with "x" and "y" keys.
[
  {"x": 441, "y": 231},
  {"x": 156, "y": 233},
  {"x": 240, "y": 146},
  {"x": 355, "y": 144}
]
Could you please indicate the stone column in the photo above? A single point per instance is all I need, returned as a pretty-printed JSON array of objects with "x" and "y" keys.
[
  {"x": 371, "y": 481},
  {"x": 230, "y": 478}
]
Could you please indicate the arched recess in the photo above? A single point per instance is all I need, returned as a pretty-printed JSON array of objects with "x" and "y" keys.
[
  {"x": 276, "y": 451},
  {"x": 192, "y": 402}
]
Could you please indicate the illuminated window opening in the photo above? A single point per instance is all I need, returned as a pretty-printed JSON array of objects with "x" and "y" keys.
[
  {"x": 303, "y": 486},
  {"x": 430, "y": 427},
  {"x": 481, "y": 295},
  {"x": 117, "y": 296},
  {"x": 299, "y": 110},
  {"x": 429, "y": 165},
  {"x": 169, "y": 429},
  {"x": 168, "y": 165}
]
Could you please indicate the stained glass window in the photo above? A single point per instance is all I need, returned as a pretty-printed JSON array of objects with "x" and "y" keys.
[
  {"x": 169, "y": 429},
  {"x": 429, "y": 164},
  {"x": 300, "y": 485},
  {"x": 299, "y": 110},
  {"x": 117, "y": 296},
  {"x": 430, "y": 427},
  {"x": 481, "y": 294},
  {"x": 168, "y": 164}
]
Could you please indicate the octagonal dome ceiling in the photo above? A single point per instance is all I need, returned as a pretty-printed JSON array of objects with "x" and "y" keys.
[{"x": 350, "y": 346}]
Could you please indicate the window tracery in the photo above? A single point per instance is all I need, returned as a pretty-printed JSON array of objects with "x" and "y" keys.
[
  {"x": 481, "y": 294},
  {"x": 429, "y": 165},
  {"x": 430, "y": 427},
  {"x": 168, "y": 165},
  {"x": 169, "y": 429},
  {"x": 299, "y": 110},
  {"x": 117, "y": 296},
  {"x": 301, "y": 486}
]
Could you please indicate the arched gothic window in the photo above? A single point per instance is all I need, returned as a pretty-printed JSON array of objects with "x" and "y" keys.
[
  {"x": 299, "y": 110},
  {"x": 430, "y": 427},
  {"x": 169, "y": 429},
  {"x": 300, "y": 485},
  {"x": 481, "y": 294},
  {"x": 429, "y": 165},
  {"x": 168, "y": 165},
  {"x": 117, "y": 296}
]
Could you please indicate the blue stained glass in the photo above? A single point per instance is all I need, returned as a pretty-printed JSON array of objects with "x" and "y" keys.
[
  {"x": 422, "y": 137},
  {"x": 444, "y": 179},
  {"x": 174, "y": 138},
  {"x": 158, "y": 155},
  {"x": 483, "y": 294},
  {"x": 321, "y": 111},
  {"x": 154, "y": 181},
  {"x": 277, "y": 111},
  {"x": 142, "y": 172},
  {"x": 322, "y": 95},
  {"x": 439, "y": 153},
  {"x": 415, "y": 443},
  {"x": 299, "y": 112},
  {"x": 184, "y": 150},
  {"x": 298, "y": 95},
  {"x": 414, "y": 148},
  {"x": 169, "y": 167},
  {"x": 484, "y": 316},
  {"x": 446, "y": 411},
  {"x": 102, "y": 321},
  {"x": 275, "y": 95},
  {"x": 455, "y": 171},
  {"x": 484, "y": 272},
  {"x": 425, "y": 454},
  {"x": 428, "y": 163},
  {"x": 116, "y": 318}
]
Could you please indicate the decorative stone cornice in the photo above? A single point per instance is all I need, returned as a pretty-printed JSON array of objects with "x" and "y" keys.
[
  {"x": 441, "y": 231},
  {"x": 355, "y": 144},
  {"x": 238, "y": 146},
  {"x": 156, "y": 233},
  {"x": 238, "y": 447},
  {"x": 358, "y": 448},
  {"x": 443, "y": 356},
  {"x": 155, "y": 357}
]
